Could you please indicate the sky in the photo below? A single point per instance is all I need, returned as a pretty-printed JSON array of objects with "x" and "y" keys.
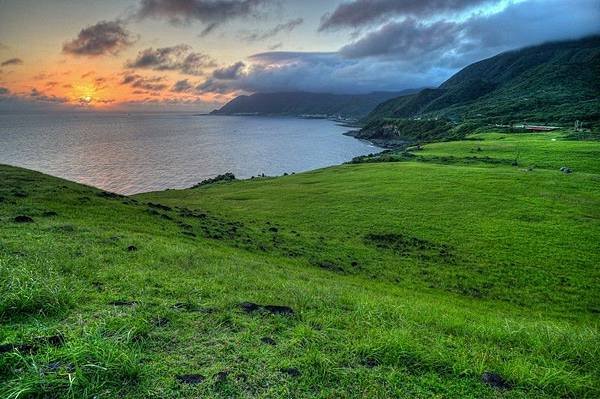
[{"x": 198, "y": 54}]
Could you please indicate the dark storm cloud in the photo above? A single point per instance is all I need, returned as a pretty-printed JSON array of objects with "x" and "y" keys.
[
  {"x": 409, "y": 38},
  {"x": 357, "y": 13},
  {"x": 206, "y": 11},
  {"x": 12, "y": 61},
  {"x": 454, "y": 44},
  {"x": 176, "y": 58},
  {"x": 4, "y": 91},
  {"x": 154, "y": 83},
  {"x": 105, "y": 37},
  {"x": 182, "y": 86},
  {"x": 284, "y": 27},
  {"x": 229, "y": 73}
]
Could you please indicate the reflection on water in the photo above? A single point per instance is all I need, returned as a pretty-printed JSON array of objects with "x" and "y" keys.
[{"x": 147, "y": 152}]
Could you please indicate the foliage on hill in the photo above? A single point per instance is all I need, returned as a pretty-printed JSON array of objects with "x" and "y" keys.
[{"x": 302, "y": 103}]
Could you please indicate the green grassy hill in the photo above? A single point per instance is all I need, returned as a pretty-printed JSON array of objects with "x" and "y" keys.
[
  {"x": 555, "y": 83},
  {"x": 386, "y": 279}
]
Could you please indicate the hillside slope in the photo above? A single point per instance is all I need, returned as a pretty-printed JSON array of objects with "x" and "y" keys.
[
  {"x": 302, "y": 103},
  {"x": 408, "y": 279},
  {"x": 554, "y": 82}
]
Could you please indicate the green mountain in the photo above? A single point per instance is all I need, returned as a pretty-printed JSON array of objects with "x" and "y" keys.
[
  {"x": 303, "y": 103},
  {"x": 554, "y": 83}
]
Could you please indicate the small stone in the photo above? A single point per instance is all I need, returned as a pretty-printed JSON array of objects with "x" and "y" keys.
[
  {"x": 282, "y": 310},
  {"x": 495, "y": 380},
  {"x": 268, "y": 341},
  {"x": 122, "y": 303},
  {"x": 221, "y": 376},
  {"x": 190, "y": 378},
  {"x": 249, "y": 307},
  {"x": 291, "y": 371}
]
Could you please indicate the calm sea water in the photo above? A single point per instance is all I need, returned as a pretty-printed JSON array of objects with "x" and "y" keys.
[{"x": 130, "y": 154}]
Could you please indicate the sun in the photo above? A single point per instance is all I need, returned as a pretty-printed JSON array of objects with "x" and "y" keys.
[{"x": 85, "y": 93}]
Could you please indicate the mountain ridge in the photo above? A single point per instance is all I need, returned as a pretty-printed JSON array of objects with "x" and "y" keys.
[
  {"x": 299, "y": 103},
  {"x": 555, "y": 82}
]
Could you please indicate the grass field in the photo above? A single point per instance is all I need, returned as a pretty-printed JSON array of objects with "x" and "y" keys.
[{"x": 404, "y": 279}]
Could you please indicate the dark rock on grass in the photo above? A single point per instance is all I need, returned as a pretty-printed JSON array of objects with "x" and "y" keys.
[
  {"x": 566, "y": 170},
  {"x": 291, "y": 371},
  {"x": 132, "y": 248},
  {"x": 221, "y": 376},
  {"x": 250, "y": 307},
  {"x": 370, "y": 362},
  {"x": 495, "y": 380},
  {"x": 49, "y": 214},
  {"x": 121, "y": 302},
  {"x": 23, "y": 219},
  {"x": 276, "y": 309},
  {"x": 268, "y": 341},
  {"x": 23, "y": 348},
  {"x": 190, "y": 378}
]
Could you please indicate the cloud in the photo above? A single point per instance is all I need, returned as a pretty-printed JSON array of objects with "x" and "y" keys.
[
  {"x": 275, "y": 46},
  {"x": 284, "y": 27},
  {"x": 176, "y": 58},
  {"x": 446, "y": 43},
  {"x": 210, "y": 12},
  {"x": 37, "y": 95},
  {"x": 208, "y": 30},
  {"x": 358, "y": 13},
  {"x": 182, "y": 86},
  {"x": 105, "y": 37},
  {"x": 4, "y": 91},
  {"x": 3, "y": 46},
  {"x": 316, "y": 72},
  {"x": 407, "y": 38},
  {"x": 409, "y": 53},
  {"x": 229, "y": 73},
  {"x": 12, "y": 61},
  {"x": 154, "y": 83}
]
